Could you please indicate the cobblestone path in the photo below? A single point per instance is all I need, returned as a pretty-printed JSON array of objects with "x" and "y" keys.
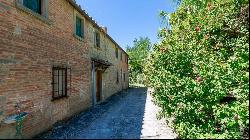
[{"x": 126, "y": 115}]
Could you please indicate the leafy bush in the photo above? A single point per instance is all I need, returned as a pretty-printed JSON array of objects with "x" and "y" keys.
[
  {"x": 200, "y": 69},
  {"x": 137, "y": 58}
]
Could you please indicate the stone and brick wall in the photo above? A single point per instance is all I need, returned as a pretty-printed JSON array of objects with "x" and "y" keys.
[
  {"x": 107, "y": 52},
  {"x": 29, "y": 48}
]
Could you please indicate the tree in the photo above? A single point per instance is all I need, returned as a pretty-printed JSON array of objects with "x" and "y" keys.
[{"x": 137, "y": 58}]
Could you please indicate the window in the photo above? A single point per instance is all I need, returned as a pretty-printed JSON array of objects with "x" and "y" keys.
[
  {"x": 117, "y": 77},
  {"x": 126, "y": 59},
  {"x": 97, "y": 39},
  {"x": 121, "y": 74},
  {"x": 124, "y": 77},
  {"x": 37, "y": 8},
  {"x": 34, "y": 5},
  {"x": 116, "y": 52},
  {"x": 79, "y": 27},
  {"x": 59, "y": 82},
  {"x": 121, "y": 56}
]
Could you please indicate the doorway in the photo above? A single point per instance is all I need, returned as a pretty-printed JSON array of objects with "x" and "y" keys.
[{"x": 98, "y": 85}]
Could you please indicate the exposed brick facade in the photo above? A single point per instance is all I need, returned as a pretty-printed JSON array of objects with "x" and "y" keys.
[{"x": 30, "y": 46}]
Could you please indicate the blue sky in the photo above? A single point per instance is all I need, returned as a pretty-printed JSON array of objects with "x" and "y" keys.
[{"x": 128, "y": 19}]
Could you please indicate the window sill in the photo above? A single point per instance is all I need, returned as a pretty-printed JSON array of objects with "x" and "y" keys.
[
  {"x": 38, "y": 16},
  {"x": 59, "y": 98},
  {"x": 78, "y": 37}
]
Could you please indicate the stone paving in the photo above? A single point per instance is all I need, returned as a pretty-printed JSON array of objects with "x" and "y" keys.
[{"x": 129, "y": 114}]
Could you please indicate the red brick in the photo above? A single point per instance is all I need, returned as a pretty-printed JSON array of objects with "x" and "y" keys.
[{"x": 35, "y": 51}]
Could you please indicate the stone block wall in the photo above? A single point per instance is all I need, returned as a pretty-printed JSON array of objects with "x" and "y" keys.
[{"x": 107, "y": 52}]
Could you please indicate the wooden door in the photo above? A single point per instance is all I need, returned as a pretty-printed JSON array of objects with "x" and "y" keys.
[{"x": 98, "y": 85}]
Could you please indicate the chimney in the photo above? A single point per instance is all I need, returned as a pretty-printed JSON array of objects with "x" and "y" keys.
[{"x": 105, "y": 29}]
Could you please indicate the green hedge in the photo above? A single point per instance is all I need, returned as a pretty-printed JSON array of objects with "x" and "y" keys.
[{"x": 200, "y": 69}]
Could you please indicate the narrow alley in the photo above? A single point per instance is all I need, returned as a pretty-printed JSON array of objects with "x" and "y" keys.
[{"x": 128, "y": 114}]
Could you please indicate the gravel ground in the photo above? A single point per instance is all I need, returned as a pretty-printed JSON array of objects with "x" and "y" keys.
[
  {"x": 153, "y": 128},
  {"x": 127, "y": 115}
]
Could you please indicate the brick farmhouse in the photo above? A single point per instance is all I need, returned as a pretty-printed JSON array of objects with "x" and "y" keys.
[{"x": 55, "y": 61}]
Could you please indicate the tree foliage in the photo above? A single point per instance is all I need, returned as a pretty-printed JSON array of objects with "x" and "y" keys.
[
  {"x": 137, "y": 58},
  {"x": 200, "y": 69}
]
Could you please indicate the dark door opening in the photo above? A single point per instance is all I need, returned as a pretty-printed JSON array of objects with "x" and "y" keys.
[{"x": 98, "y": 85}]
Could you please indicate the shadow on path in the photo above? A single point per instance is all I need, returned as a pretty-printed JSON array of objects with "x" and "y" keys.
[{"x": 120, "y": 116}]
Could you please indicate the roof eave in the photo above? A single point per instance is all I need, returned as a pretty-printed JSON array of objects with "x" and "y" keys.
[{"x": 93, "y": 22}]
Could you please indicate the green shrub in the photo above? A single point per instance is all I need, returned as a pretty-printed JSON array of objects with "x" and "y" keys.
[
  {"x": 200, "y": 69},
  {"x": 138, "y": 53}
]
